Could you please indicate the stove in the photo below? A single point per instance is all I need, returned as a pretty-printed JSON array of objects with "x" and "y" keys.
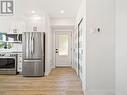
[{"x": 8, "y": 63}]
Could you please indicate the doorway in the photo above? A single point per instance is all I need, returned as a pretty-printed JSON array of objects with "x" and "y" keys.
[{"x": 63, "y": 49}]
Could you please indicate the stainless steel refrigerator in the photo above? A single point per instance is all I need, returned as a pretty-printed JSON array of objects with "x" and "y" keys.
[{"x": 33, "y": 54}]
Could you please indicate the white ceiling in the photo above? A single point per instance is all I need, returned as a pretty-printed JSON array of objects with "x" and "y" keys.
[{"x": 52, "y": 7}]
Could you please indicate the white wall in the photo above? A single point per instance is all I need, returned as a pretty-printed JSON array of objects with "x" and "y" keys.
[
  {"x": 121, "y": 47},
  {"x": 62, "y": 21},
  {"x": 100, "y": 47},
  {"x": 48, "y": 47},
  {"x": 23, "y": 13},
  {"x": 82, "y": 14}
]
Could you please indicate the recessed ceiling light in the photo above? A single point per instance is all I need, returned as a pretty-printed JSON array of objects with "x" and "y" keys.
[
  {"x": 33, "y": 12},
  {"x": 62, "y": 11},
  {"x": 36, "y": 17}
]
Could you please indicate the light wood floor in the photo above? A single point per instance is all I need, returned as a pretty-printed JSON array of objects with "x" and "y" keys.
[{"x": 61, "y": 81}]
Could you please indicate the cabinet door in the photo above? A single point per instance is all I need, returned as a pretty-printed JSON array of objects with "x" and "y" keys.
[
  {"x": 17, "y": 27},
  {"x": 4, "y": 25},
  {"x": 38, "y": 26}
]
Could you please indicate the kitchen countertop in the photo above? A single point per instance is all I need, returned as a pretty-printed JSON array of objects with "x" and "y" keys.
[{"x": 10, "y": 51}]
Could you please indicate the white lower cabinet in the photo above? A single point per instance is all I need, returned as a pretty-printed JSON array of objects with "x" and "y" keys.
[{"x": 19, "y": 63}]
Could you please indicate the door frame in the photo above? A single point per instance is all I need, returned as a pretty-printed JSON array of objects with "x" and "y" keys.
[{"x": 54, "y": 46}]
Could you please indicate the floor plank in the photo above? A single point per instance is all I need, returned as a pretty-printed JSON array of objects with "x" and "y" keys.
[{"x": 61, "y": 81}]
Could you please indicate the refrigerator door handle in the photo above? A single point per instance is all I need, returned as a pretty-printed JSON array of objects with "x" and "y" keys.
[
  {"x": 33, "y": 45},
  {"x": 27, "y": 46},
  {"x": 27, "y": 61}
]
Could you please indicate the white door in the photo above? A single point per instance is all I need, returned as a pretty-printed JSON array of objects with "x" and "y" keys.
[{"x": 63, "y": 49}]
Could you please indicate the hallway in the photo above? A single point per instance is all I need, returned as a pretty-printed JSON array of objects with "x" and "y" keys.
[{"x": 61, "y": 81}]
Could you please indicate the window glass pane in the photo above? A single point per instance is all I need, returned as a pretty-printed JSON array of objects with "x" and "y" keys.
[{"x": 63, "y": 44}]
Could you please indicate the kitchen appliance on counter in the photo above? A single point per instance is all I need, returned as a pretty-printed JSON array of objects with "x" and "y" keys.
[
  {"x": 33, "y": 54},
  {"x": 17, "y": 38},
  {"x": 8, "y": 63}
]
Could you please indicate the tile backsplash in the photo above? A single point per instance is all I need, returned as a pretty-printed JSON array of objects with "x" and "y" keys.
[{"x": 16, "y": 47}]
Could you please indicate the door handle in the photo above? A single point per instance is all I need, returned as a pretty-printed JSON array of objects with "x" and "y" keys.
[
  {"x": 56, "y": 50},
  {"x": 33, "y": 45}
]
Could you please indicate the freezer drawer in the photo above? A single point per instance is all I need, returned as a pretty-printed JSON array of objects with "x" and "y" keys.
[{"x": 33, "y": 68}]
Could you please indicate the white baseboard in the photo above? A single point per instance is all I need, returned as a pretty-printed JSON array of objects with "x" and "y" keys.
[
  {"x": 118, "y": 93},
  {"x": 121, "y": 92},
  {"x": 100, "y": 92},
  {"x": 84, "y": 89},
  {"x": 48, "y": 72},
  {"x": 84, "y": 85}
]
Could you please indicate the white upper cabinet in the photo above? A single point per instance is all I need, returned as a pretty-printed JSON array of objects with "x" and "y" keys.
[
  {"x": 17, "y": 27},
  {"x": 35, "y": 25},
  {"x": 4, "y": 25}
]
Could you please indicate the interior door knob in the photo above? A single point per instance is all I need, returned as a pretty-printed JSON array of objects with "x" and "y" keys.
[{"x": 56, "y": 50}]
